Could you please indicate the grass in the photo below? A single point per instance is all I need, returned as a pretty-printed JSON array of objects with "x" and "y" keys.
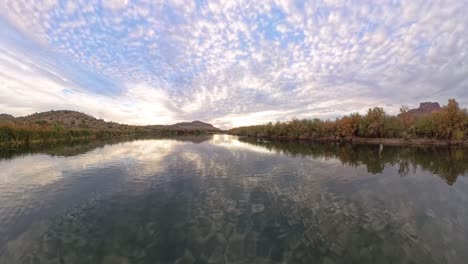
[{"x": 18, "y": 135}]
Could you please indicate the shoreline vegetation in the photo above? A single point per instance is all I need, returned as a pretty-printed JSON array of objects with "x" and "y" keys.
[
  {"x": 441, "y": 126},
  {"x": 55, "y": 127},
  {"x": 13, "y": 136}
]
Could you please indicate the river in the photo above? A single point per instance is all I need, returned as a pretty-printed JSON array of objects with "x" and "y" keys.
[{"x": 224, "y": 199}]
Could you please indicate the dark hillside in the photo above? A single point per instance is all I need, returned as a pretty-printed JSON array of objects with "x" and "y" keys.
[
  {"x": 196, "y": 125},
  {"x": 64, "y": 125}
]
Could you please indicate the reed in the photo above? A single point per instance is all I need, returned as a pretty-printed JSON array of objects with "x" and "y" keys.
[{"x": 25, "y": 134}]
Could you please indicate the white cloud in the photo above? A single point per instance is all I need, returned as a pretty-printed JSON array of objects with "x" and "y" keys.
[
  {"x": 225, "y": 60},
  {"x": 29, "y": 16},
  {"x": 114, "y": 4},
  {"x": 26, "y": 88}
]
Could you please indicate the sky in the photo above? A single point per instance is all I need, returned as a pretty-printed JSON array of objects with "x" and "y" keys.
[{"x": 229, "y": 62}]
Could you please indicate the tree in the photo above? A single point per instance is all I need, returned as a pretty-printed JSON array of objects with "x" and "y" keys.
[
  {"x": 450, "y": 121},
  {"x": 405, "y": 118},
  {"x": 372, "y": 124},
  {"x": 348, "y": 126},
  {"x": 425, "y": 127},
  {"x": 404, "y": 109},
  {"x": 393, "y": 128},
  {"x": 269, "y": 129}
]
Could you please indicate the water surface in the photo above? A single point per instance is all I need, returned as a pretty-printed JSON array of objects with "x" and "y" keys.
[{"x": 222, "y": 199}]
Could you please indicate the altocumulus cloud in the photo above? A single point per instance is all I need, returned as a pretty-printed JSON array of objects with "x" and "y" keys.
[{"x": 230, "y": 62}]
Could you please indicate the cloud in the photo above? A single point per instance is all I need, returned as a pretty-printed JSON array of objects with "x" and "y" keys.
[
  {"x": 220, "y": 61},
  {"x": 114, "y": 4},
  {"x": 27, "y": 87}
]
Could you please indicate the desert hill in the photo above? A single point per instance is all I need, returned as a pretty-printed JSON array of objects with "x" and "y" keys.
[
  {"x": 196, "y": 125},
  {"x": 67, "y": 119}
]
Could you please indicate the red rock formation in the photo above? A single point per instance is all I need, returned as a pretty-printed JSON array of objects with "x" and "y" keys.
[{"x": 424, "y": 108}]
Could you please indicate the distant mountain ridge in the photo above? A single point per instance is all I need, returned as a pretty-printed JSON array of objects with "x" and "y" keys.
[
  {"x": 196, "y": 125},
  {"x": 76, "y": 120},
  {"x": 6, "y": 117}
]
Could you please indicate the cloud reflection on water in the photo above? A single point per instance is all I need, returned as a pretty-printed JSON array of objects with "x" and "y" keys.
[{"x": 315, "y": 201}]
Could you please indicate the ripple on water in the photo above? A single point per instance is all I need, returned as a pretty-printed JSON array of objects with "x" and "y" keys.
[{"x": 211, "y": 204}]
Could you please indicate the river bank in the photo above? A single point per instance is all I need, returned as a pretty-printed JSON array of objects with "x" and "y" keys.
[
  {"x": 20, "y": 138},
  {"x": 364, "y": 140}
]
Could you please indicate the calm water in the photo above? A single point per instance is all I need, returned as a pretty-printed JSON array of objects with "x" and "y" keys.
[{"x": 221, "y": 199}]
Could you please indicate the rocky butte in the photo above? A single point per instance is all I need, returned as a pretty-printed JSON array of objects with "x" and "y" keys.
[{"x": 424, "y": 108}]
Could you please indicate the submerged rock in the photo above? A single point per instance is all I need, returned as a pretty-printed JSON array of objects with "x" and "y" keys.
[
  {"x": 256, "y": 208},
  {"x": 113, "y": 259},
  {"x": 187, "y": 258}
]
